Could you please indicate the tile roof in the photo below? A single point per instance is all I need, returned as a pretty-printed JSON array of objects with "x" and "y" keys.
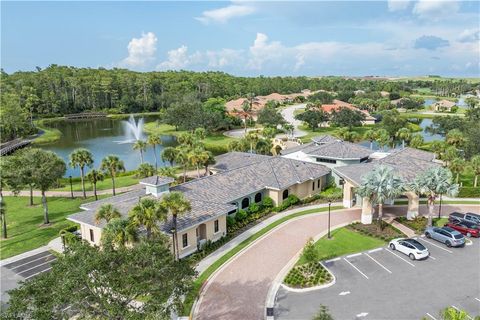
[
  {"x": 332, "y": 148},
  {"x": 211, "y": 196},
  {"x": 407, "y": 163},
  {"x": 234, "y": 160}
]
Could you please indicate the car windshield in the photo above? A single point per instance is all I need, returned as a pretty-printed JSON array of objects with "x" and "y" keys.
[
  {"x": 416, "y": 244},
  {"x": 448, "y": 229},
  {"x": 458, "y": 236}
]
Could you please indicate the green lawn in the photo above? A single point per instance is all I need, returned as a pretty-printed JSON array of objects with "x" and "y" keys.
[
  {"x": 343, "y": 242},
  {"x": 24, "y": 223},
  {"x": 217, "y": 143},
  {"x": 122, "y": 181}
]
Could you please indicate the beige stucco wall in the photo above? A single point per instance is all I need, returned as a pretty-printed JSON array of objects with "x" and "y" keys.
[
  {"x": 302, "y": 190},
  {"x": 85, "y": 231}
]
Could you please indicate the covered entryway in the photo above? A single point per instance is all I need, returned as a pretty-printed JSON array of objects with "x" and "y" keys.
[{"x": 201, "y": 232}]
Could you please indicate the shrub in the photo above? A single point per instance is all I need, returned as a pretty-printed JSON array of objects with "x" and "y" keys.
[
  {"x": 253, "y": 208},
  {"x": 145, "y": 170},
  {"x": 241, "y": 214},
  {"x": 230, "y": 221},
  {"x": 309, "y": 251},
  {"x": 267, "y": 202}
]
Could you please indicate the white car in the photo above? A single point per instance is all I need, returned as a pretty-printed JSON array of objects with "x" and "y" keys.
[{"x": 411, "y": 247}]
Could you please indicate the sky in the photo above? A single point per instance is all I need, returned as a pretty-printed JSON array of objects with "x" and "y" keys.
[{"x": 316, "y": 38}]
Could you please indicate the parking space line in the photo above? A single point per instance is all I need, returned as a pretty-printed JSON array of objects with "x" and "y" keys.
[
  {"x": 375, "y": 250},
  {"x": 477, "y": 299},
  {"x": 38, "y": 265},
  {"x": 33, "y": 275},
  {"x": 432, "y": 257},
  {"x": 428, "y": 314},
  {"x": 44, "y": 257},
  {"x": 435, "y": 245},
  {"x": 396, "y": 255},
  {"x": 354, "y": 255},
  {"x": 381, "y": 265},
  {"x": 363, "y": 274}
]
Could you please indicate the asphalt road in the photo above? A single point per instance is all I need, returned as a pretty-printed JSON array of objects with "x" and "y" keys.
[{"x": 385, "y": 284}]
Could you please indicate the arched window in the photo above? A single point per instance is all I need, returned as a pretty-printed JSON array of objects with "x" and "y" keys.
[
  {"x": 258, "y": 197},
  {"x": 285, "y": 194},
  {"x": 245, "y": 203}
]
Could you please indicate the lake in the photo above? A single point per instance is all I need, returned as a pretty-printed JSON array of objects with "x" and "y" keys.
[{"x": 102, "y": 137}]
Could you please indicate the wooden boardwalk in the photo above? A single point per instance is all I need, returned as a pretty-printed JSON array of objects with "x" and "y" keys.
[
  {"x": 10, "y": 146},
  {"x": 86, "y": 115}
]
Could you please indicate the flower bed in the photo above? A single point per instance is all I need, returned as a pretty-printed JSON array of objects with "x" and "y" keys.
[
  {"x": 384, "y": 232},
  {"x": 419, "y": 224},
  {"x": 307, "y": 275}
]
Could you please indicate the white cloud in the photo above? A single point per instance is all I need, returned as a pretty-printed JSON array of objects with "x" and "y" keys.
[
  {"x": 263, "y": 50},
  {"x": 223, "y": 58},
  {"x": 179, "y": 59},
  {"x": 398, "y": 5},
  {"x": 435, "y": 10},
  {"x": 469, "y": 35},
  {"x": 141, "y": 50},
  {"x": 222, "y": 15}
]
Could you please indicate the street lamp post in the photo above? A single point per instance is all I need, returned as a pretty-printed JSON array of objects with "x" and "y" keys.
[
  {"x": 329, "y": 204},
  {"x": 71, "y": 186},
  {"x": 440, "y": 208}
]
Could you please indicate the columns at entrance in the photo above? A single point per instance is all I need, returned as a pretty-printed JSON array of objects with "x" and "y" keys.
[
  {"x": 347, "y": 194},
  {"x": 413, "y": 202},
  {"x": 366, "y": 211}
]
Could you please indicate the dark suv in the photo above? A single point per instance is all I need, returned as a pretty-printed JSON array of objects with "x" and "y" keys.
[{"x": 469, "y": 216}]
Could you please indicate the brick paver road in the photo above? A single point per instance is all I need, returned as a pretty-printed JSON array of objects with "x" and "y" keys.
[{"x": 239, "y": 290}]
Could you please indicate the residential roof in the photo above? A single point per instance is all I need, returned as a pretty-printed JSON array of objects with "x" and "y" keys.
[
  {"x": 407, "y": 163},
  {"x": 234, "y": 160},
  {"x": 332, "y": 148},
  {"x": 157, "y": 180},
  {"x": 445, "y": 103},
  {"x": 338, "y": 104}
]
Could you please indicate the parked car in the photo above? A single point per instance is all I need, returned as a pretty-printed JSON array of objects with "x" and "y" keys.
[
  {"x": 467, "y": 228},
  {"x": 446, "y": 235},
  {"x": 469, "y": 216},
  {"x": 411, "y": 247}
]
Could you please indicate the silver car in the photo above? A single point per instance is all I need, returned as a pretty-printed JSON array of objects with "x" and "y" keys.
[{"x": 446, "y": 235}]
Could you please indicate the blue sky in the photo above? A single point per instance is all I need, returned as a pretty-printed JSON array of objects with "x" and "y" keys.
[{"x": 392, "y": 38}]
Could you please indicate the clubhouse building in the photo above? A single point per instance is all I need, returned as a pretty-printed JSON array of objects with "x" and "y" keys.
[{"x": 239, "y": 179}]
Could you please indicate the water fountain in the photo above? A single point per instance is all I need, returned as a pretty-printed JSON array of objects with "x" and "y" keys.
[{"x": 133, "y": 130}]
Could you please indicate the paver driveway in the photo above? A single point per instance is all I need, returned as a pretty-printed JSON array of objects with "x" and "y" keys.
[{"x": 239, "y": 290}]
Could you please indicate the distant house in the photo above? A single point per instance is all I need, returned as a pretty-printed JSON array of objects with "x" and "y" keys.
[
  {"x": 338, "y": 104},
  {"x": 443, "y": 106}
]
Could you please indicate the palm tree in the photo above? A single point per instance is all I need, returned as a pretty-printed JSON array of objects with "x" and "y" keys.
[
  {"x": 176, "y": 205},
  {"x": 182, "y": 158},
  {"x": 169, "y": 154},
  {"x": 81, "y": 158},
  {"x": 416, "y": 141},
  {"x": 380, "y": 185},
  {"x": 167, "y": 172},
  {"x": 95, "y": 176},
  {"x": 457, "y": 166},
  {"x": 404, "y": 134},
  {"x": 112, "y": 164},
  {"x": 153, "y": 140},
  {"x": 370, "y": 135},
  {"x": 119, "y": 232},
  {"x": 455, "y": 138},
  {"x": 210, "y": 160},
  {"x": 197, "y": 157},
  {"x": 432, "y": 183},
  {"x": 148, "y": 213},
  {"x": 475, "y": 165},
  {"x": 438, "y": 147},
  {"x": 3, "y": 219},
  {"x": 449, "y": 155},
  {"x": 264, "y": 146},
  {"x": 252, "y": 138},
  {"x": 343, "y": 133},
  {"x": 246, "y": 110},
  {"x": 141, "y": 146},
  {"x": 383, "y": 139},
  {"x": 106, "y": 212}
]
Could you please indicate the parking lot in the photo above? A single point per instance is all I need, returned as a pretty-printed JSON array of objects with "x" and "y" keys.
[
  {"x": 385, "y": 284},
  {"x": 24, "y": 269}
]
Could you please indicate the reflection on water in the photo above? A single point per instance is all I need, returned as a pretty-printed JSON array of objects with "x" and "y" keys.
[{"x": 102, "y": 137}]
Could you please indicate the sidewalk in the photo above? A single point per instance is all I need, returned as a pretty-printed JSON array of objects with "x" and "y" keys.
[
  {"x": 217, "y": 254},
  {"x": 76, "y": 194},
  {"x": 403, "y": 228}
]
